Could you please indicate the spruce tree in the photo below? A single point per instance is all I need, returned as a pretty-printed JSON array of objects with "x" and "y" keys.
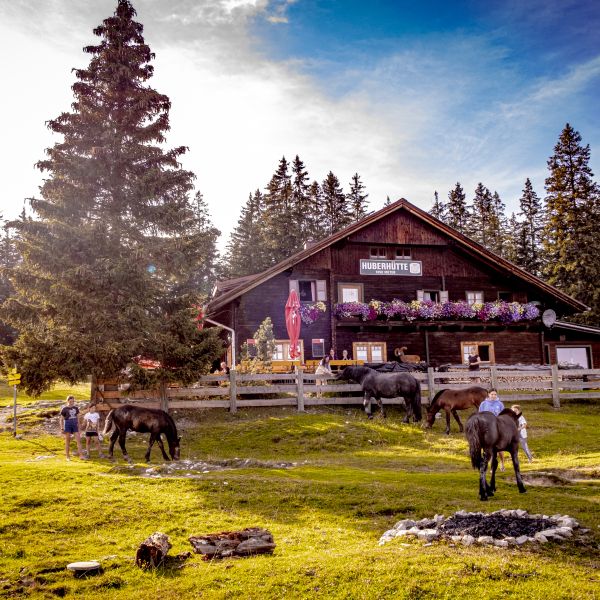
[
  {"x": 532, "y": 225},
  {"x": 481, "y": 222},
  {"x": 317, "y": 225},
  {"x": 439, "y": 209},
  {"x": 109, "y": 256},
  {"x": 245, "y": 254},
  {"x": 299, "y": 230},
  {"x": 357, "y": 199},
  {"x": 511, "y": 245},
  {"x": 456, "y": 209},
  {"x": 571, "y": 234},
  {"x": 336, "y": 209},
  {"x": 498, "y": 226}
]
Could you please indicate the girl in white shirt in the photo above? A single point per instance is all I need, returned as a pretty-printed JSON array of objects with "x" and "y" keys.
[
  {"x": 522, "y": 431},
  {"x": 91, "y": 420}
]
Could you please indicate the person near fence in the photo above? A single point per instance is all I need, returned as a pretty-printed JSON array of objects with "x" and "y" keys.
[
  {"x": 494, "y": 405},
  {"x": 324, "y": 370},
  {"x": 69, "y": 425},
  {"x": 522, "y": 431},
  {"x": 91, "y": 420},
  {"x": 474, "y": 361},
  {"x": 332, "y": 354},
  {"x": 345, "y": 355}
]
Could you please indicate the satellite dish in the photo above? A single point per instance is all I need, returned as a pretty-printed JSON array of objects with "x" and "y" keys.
[{"x": 548, "y": 317}]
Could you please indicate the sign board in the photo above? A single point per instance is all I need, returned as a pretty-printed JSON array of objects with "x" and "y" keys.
[
  {"x": 391, "y": 267},
  {"x": 14, "y": 378}
]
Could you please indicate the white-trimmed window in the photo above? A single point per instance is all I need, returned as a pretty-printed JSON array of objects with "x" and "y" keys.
[
  {"x": 574, "y": 355},
  {"x": 310, "y": 290},
  {"x": 474, "y": 297},
  {"x": 378, "y": 252},
  {"x": 485, "y": 351},
  {"x": 432, "y": 295},
  {"x": 372, "y": 352},
  {"x": 350, "y": 292},
  {"x": 282, "y": 350},
  {"x": 403, "y": 253}
]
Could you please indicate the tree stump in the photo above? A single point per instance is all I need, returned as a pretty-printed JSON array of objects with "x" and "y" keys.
[
  {"x": 252, "y": 540},
  {"x": 152, "y": 551}
]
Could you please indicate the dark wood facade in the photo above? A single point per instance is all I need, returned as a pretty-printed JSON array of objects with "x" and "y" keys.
[{"x": 452, "y": 265}]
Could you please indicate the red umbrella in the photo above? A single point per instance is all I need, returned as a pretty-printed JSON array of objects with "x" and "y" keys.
[{"x": 292, "y": 322}]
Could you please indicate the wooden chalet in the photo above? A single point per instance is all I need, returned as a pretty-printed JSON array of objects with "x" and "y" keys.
[{"x": 403, "y": 253}]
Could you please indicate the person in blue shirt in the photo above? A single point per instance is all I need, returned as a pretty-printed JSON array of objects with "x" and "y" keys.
[{"x": 494, "y": 405}]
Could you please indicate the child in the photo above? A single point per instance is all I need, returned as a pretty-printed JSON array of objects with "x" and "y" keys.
[
  {"x": 92, "y": 420},
  {"x": 522, "y": 431},
  {"x": 69, "y": 424},
  {"x": 322, "y": 369}
]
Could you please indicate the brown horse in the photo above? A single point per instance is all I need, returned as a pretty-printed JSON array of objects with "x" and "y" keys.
[
  {"x": 143, "y": 420},
  {"x": 453, "y": 400}
]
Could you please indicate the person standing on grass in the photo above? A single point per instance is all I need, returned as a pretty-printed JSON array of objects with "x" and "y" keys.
[
  {"x": 91, "y": 420},
  {"x": 69, "y": 424},
  {"x": 494, "y": 405},
  {"x": 522, "y": 431},
  {"x": 325, "y": 371}
]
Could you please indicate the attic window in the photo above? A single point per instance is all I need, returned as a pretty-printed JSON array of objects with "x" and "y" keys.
[
  {"x": 403, "y": 253},
  {"x": 378, "y": 252}
]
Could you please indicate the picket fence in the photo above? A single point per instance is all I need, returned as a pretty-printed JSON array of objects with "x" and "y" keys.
[{"x": 299, "y": 389}]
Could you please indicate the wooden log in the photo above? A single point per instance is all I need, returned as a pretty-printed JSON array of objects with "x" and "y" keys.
[
  {"x": 152, "y": 551},
  {"x": 252, "y": 540}
]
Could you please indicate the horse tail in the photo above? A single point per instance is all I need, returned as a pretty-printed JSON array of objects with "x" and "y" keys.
[
  {"x": 109, "y": 422},
  {"x": 473, "y": 432}
]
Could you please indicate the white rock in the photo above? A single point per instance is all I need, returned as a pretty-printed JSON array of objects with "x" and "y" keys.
[
  {"x": 485, "y": 539},
  {"x": 540, "y": 537},
  {"x": 460, "y": 513},
  {"x": 400, "y": 533},
  {"x": 428, "y": 534},
  {"x": 520, "y": 512},
  {"x": 510, "y": 540},
  {"x": 456, "y": 538},
  {"x": 413, "y": 531},
  {"x": 468, "y": 540},
  {"x": 501, "y": 543},
  {"x": 521, "y": 540},
  {"x": 564, "y": 531},
  {"x": 404, "y": 524},
  {"x": 438, "y": 518},
  {"x": 568, "y": 522}
]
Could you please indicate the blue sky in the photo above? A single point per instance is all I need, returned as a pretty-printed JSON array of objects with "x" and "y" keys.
[{"x": 414, "y": 96}]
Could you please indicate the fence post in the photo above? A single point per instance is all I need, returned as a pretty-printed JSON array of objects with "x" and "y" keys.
[
  {"x": 494, "y": 376},
  {"x": 300, "y": 386},
  {"x": 232, "y": 391},
  {"x": 555, "y": 390},
  {"x": 430, "y": 383},
  {"x": 164, "y": 399}
]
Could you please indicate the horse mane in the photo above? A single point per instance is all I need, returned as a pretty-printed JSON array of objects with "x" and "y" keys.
[
  {"x": 510, "y": 413},
  {"x": 435, "y": 398},
  {"x": 172, "y": 426}
]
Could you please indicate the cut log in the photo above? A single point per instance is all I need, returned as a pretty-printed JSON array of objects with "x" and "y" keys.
[
  {"x": 252, "y": 540},
  {"x": 152, "y": 551}
]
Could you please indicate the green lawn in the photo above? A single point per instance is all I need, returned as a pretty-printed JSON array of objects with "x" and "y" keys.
[{"x": 351, "y": 479}]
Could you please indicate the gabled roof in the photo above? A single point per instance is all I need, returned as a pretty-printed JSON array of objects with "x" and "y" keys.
[
  {"x": 491, "y": 259},
  {"x": 577, "y": 327}
]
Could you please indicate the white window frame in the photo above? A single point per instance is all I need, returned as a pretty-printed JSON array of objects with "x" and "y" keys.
[
  {"x": 359, "y": 287},
  {"x": 474, "y": 296},
  {"x": 403, "y": 253},
  {"x": 318, "y": 289},
  {"x": 281, "y": 352},
  {"x": 378, "y": 252},
  {"x": 586, "y": 347},
  {"x": 370, "y": 346},
  {"x": 465, "y": 351}
]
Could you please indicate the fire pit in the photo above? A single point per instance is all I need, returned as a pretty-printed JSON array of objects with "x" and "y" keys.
[{"x": 501, "y": 528}]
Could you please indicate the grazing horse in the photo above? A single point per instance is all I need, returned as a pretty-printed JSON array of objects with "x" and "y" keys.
[
  {"x": 142, "y": 420},
  {"x": 453, "y": 400},
  {"x": 386, "y": 385},
  {"x": 490, "y": 434}
]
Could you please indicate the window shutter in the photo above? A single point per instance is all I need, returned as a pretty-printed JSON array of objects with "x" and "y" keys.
[
  {"x": 294, "y": 286},
  {"x": 444, "y": 296},
  {"x": 420, "y": 295},
  {"x": 321, "y": 290}
]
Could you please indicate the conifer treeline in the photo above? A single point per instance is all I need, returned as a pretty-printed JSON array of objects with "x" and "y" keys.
[
  {"x": 556, "y": 239},
  {"x": 277, "y": 223}
]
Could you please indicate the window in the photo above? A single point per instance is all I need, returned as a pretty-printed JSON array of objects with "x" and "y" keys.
[
  {"x": 574, "y": 355},
  {"x": 310, "y": 290},
  {"x": 369, "y": 351},
  {"x": 485, "y": 350},
  {"x": 403, "y": 253},
  {"x": 350, "y": 292},
  {"x": 433, "y": 295},
  {"x": 474, "y": 297},
  {"x": 378, "y": 252},
  {"x": 318, "y": 347},
  {"x": 282, "y": 350},
  {"x": 505, "y": 296}
]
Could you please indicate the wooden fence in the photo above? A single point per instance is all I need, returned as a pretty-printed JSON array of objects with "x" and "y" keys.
[{"x": 299, "y": 389}]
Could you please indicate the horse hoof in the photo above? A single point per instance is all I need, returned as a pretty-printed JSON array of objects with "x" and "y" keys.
[
  {"x": 369, "y": 417},
  {"x": 522, "y": 491}
]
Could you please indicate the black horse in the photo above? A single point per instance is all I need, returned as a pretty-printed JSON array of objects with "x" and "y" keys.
[
  {"x": 386, "y": 385},
  {"x": 142, "y": 420},
  {"x": 490, "y": 434},
  {"x": 453, "y": 400}
]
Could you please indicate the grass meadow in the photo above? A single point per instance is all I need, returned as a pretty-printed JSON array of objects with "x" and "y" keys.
[{"x": 327, "y": 483}]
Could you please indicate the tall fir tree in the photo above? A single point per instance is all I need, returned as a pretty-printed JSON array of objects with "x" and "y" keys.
[
  {"x": 571, "y": 234},
  {"x": 457, "y": 213},
  {"x": 9, "y": 258},
  {"x": 356, "y": 198},
  {"x": 438, "y": 210},
  {"x": 498, "y": 226},
  {"x": 317, "y": 223},
  {"x": 531, "y": 228},
  {"x": 481, "y": 221},
  {"x": 108, "y": 259},
  {"x": 511, "y": 249},
  {"x": 301, "y": 206},
  {"x": 278, "y": 215},
  {"x": 336, "y": 210},
  {"x": 245, "y": 253}
]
